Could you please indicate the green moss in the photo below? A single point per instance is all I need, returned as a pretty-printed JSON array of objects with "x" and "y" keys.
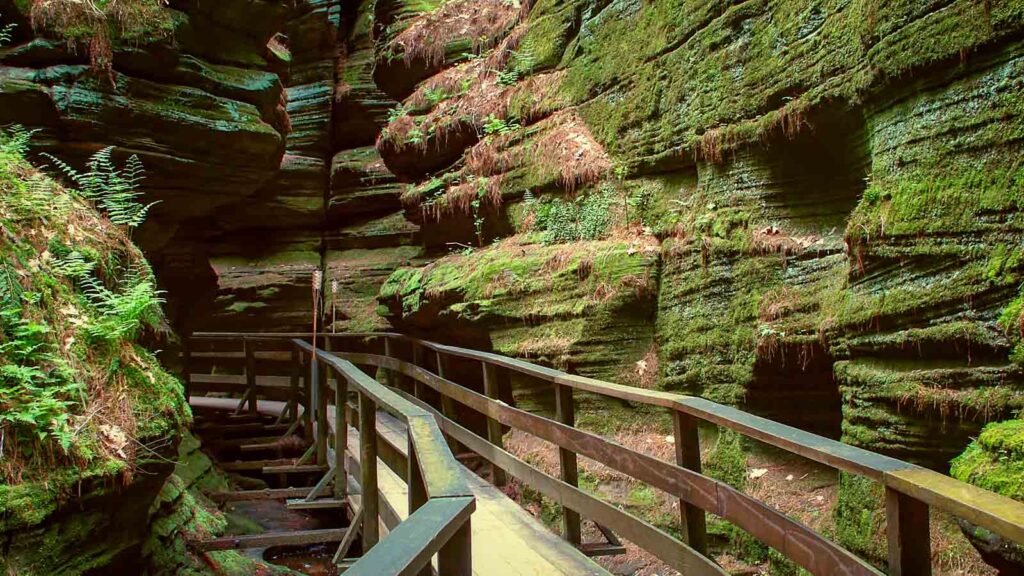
[
  {"x": 859, "y": 517},
  {"x": 995, "y": 461}
]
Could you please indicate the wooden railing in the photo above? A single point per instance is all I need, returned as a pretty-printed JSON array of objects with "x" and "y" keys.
[
  {"x": 415, "y": 366},
  {"x": 440, "y": 502}
]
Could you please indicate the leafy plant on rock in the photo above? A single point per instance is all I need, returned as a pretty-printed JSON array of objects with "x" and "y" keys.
[{"x": 112, "y": 189}]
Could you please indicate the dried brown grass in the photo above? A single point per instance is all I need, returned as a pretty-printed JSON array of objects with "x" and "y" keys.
[
  {"x": 567, "y": 149},
  {"x": 480, "y": 21}
]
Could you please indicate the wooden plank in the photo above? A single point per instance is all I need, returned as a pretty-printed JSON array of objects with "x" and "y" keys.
[
  {"x": 997, "y": 513},
  {"x": 265, "y": 494},
  {"x": 340, "y": 437},
  {"x": 565, "y": 412},
  {"x": 907, "y": 531},
  {"x": 412, "y": 544},
  {"x": 322, "y": 427},
  {"x": 318, "y": 504},
  {"x": 368, "y": 472},
  {"x": 296, "y": 469},
  {"x": 291, "y": 538},
  {"x": 669, "y": 550},
  {"x": 456, "y": 556},
  {"x": 494, "y": 432},
  {"x": 257, "y": 465},
  {"x": 250, "y": 376},
  {"x": 693, "y": 522},
  {"x": 350, "y": 535}
]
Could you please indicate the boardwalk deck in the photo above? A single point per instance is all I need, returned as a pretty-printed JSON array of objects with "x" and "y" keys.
[{"x": 506, "y": 541}]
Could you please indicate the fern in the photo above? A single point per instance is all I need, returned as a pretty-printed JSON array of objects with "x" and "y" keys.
[
  {"x": 122, "y": 314},
  {"x": 113, "y": 190},
  {"x": 6, "y": 33},
  {"x": 14, "y": 140}
]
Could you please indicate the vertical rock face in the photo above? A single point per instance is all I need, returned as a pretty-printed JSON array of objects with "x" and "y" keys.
[{"x": 803, "y": 172}]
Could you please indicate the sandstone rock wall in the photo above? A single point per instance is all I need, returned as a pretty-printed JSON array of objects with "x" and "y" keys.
[{"x": 813, "y": 205}]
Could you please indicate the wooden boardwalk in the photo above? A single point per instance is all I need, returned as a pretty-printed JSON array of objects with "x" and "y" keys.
[
  {"x": 507, "y": 540},
  {"x": 458, "y": 521}
]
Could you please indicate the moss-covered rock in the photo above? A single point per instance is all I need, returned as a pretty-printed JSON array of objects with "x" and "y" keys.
[
  {"x": 995, "y": 461},
  {"x": 78, "y": 395}
]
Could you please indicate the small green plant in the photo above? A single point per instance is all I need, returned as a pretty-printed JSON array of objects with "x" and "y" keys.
[
  {"x": 561, "y": 220},
  {"x": 521, "y": 63},
  {"x": 415, "y": 136},
  {"x": 6, "y": 32},
  {"x": 435, "y": 96},
  {"x": 113, "y": 190},
  {"x": 396, "y": 112},
  {"x": 494, "y": 126}
]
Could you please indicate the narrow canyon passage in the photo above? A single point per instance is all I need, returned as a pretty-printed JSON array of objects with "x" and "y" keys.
[{"x": 796, "y": 219}]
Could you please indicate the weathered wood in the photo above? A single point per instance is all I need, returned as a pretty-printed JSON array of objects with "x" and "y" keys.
[
  {"x": 417, "y": 489},
  {"x": 997, "y": 513},
  {"x": 494, "y": 433},
  {"x": 322, "y": 429},
  {"x": 296, "y": 469},
  {"x": 321, "y": 486},
  {"x": 448, "y": 405},
  {"x": 250, "y": 376},
  {"x": 340, "y": 436},
  {"x": 798, "y": 542},
  {"x": 411, "y": 545},
  {"x": 456, "y": 555},
  {"x": 693, "y": 522},
  {"x": 318, "y": 504},
  {"x": 265, "y": 494},
  {"x": 350, "y": 535},
  {"x": 295, "y": 367},
  {"x": 368, "y": 470},
  {"x": 565, "y": 412},
  {"x": 417, "y": 359},
  {"x": 671, "y": 551},
  {"x": 291, "y": 538},
  {"x": 908, "y": 534},
  {"x": 254, "y": 465}
]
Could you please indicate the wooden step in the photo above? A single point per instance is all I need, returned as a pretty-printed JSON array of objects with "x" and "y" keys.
[
  {"x": 255, "y": 465},
  {"x": 293, "y": 469},
  {"x": 266, "y": 494},
  {"x": 292, "y": 538},
  {"x": 602, "y": 549},
  {"x": 317, "y": 504}
]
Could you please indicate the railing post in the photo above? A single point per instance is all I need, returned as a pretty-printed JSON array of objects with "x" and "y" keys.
[
  {"x": 340, "y": 437},
  {"x": 309, "y": 376},
  {"x": 186, "y": 367},
  {"x": 448, "y": 404},
  {"x": 293, "y": 383},
  {"x": 908, "y": 533},
  {"x": 456, "y": 557},
  {"x": 493, "y": 426},
  {"x": 693, "y": 520},
  {"x": 417, "y": 489},
  {"x": 321, "y": 413},
  {"x": 390, "y": 377},
  {"x": 368, "y": 470},
  {"x": 250, "y": 374},
  {"x": 417, "y": 359},
  {"x": 565, "y": 412}
]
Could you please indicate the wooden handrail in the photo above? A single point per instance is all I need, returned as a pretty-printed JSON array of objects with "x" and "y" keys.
[
  {"x": 433, "y": 471},
  {"x": 910, "y": 489}
]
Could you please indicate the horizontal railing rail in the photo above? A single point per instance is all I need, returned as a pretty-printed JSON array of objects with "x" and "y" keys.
[{"x": 910, "y": 490}]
